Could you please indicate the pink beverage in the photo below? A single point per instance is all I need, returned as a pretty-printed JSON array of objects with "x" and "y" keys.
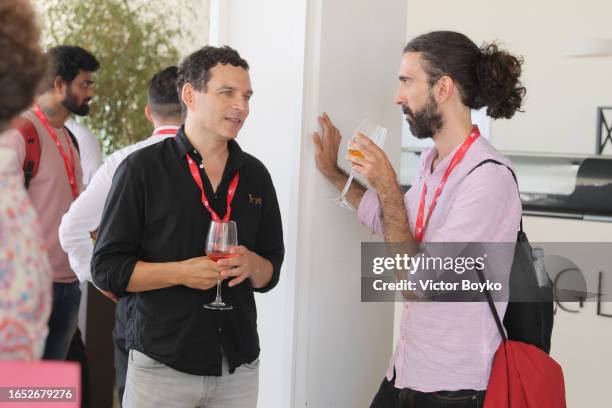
[{"x": 215, "y": 256}]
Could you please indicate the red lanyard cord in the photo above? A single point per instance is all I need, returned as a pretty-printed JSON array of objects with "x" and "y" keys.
[
  {"x": 458, "y": 156},
  {"x": 69, "y": 164},
  {"x": 195, "y": 173}
]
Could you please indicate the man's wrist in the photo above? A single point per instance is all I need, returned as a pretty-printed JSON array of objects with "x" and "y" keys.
[
  {"x": 256, "y": 265},
  {"x": 335, "y": 173},
  {"x": 176, "y": 274},
  {"x": 262, "y": 265}
]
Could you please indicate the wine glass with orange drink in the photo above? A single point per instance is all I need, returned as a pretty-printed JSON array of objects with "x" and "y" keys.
[{"x": 374, "y": 132}]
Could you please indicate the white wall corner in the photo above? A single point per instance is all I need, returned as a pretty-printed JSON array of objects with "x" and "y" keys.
[{"x": 219, "y": 22}]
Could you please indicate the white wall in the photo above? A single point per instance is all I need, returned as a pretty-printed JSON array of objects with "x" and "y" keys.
[
  {"x": 320, "y": 345},
  {"x": 562, "y": 92},
  {"x": 343, "y": 345}
]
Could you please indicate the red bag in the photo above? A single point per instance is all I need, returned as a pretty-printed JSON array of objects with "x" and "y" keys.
[{"x": 522, "y": 375}]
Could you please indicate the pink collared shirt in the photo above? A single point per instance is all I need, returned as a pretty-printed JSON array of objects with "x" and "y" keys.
[
  {"x": 450, "y": 346},
  {"x": 49, "y": 190}
]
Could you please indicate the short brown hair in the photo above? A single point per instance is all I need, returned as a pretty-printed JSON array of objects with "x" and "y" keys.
[
  {"x": 22, "y": 61},
  {"x": 195, "y": 68}
]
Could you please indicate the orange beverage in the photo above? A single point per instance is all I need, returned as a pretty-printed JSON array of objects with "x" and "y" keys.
[{"x": 355, "y": 153}]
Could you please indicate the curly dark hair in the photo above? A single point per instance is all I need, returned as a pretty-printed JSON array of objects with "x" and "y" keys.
[
  {"x": 486, "y": 76},
  {"x": 68, "y": 60},
  {"x": 22, "y": 61},
  {"x": 195, "y": 69},
  {"x": 163, "y": 96}
]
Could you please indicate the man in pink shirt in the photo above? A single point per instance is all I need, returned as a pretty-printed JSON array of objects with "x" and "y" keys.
[
  {"x": 58, "y": 180},
  {"x": 445, "y": 350}
]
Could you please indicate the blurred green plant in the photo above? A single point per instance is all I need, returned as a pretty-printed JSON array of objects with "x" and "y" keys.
[{"x": 132, "y": 40}]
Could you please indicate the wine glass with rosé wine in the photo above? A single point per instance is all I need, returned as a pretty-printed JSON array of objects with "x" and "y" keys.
[{"x": 222, "y": 236}]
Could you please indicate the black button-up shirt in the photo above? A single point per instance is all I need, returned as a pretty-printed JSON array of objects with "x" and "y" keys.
[{"x": 154, "y": 213}]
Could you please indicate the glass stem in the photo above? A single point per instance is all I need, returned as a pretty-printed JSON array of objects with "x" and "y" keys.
[
  {"x": 218, "y": 299},
  {"x": 347, "y": 185}
]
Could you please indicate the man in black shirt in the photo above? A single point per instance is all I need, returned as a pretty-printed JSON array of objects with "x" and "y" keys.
[{"x": 151, "y": 247}]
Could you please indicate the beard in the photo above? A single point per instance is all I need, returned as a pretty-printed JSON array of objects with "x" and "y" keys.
[
  {"x": 72, "y": 104},
  {"x": 425, "y": 122}
]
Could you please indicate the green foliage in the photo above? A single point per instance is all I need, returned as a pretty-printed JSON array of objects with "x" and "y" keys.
[{"x": 132, "y": 41}]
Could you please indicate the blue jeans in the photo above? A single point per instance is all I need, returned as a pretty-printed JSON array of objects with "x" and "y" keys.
[{"x": 63, "y": 320}]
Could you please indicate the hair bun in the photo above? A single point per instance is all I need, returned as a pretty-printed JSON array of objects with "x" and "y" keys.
[{"x": 499, "y": 86}]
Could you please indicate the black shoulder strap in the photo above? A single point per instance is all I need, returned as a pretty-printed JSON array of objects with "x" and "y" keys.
[
  {"x": 74, "y": 139},
  {"x": 500, "y": 164},
  {"x": 479, "y": 271},
  {"x": 502, "y": 332}
]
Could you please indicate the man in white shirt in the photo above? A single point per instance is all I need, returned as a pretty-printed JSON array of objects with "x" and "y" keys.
[
  {"x": 89, "y": 149},
  {"x": 82, "y": 220}
]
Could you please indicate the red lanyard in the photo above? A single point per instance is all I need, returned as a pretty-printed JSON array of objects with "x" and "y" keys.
[
  {"x": 420, "y": 226},
  {"x": 70, "y": 165},
  {"x": 195, "y": 173},
  {"x": 166, "y": 131}
]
